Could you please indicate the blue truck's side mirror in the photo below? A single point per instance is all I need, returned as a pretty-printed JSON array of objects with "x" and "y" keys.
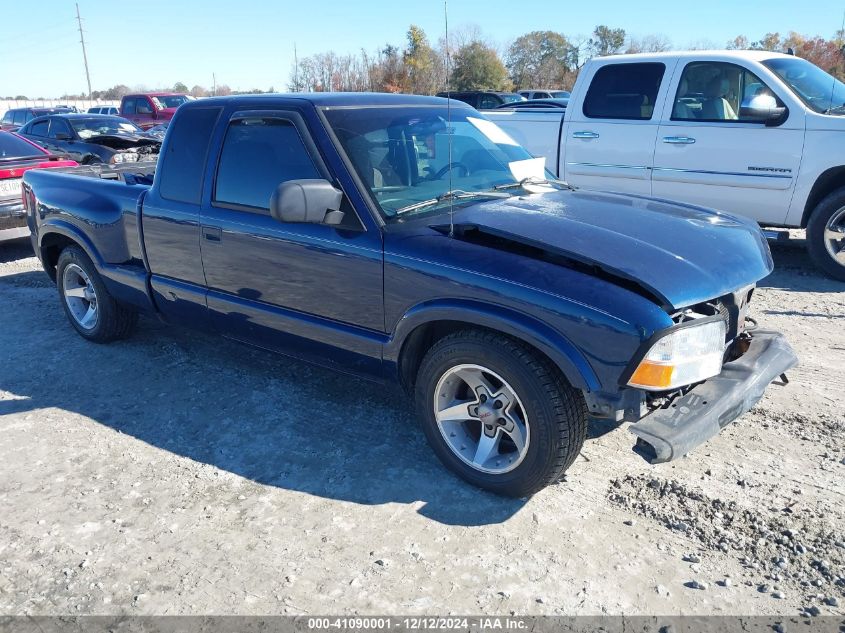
[{"x": 314, "y": 201}]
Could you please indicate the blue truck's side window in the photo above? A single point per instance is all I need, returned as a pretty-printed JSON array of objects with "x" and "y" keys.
[
  {"x": 258, "y": 154},
  {"x": 184, "y": 160}
]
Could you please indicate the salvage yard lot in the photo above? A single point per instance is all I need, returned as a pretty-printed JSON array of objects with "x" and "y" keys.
[{"x": 179, "y": 473}]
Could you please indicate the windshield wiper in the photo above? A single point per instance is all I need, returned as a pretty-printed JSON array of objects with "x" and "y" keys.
[
  {"x": 535, "y": 180},
  {"x": 835, "y": 109},
  {"x": 452, "y": 194}
]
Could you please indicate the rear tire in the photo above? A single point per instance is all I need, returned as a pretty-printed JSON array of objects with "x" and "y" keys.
[
  {"x": 497, "y": 413},
  {"x": 89, "y": 307},
  {"x": 826, "y": 235}
]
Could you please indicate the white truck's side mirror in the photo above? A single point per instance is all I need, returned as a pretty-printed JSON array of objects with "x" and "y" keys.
[{"x": 763, "y": 108}]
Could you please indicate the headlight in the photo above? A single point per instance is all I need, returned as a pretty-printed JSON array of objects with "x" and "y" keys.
[
  {"x": 684, "y": 356},
  {"x": 125, "y": 157}
]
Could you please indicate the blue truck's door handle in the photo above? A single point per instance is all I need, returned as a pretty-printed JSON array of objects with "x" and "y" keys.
[
  {"x": 679, "y": 140},
  {"x": 212, "y": 233},
  {"x": 585, "y": 135}
]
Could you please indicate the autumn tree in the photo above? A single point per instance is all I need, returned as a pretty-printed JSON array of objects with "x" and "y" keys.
[
  {"x": 769, "y": 42},
  {"x": 739, "y": 43},
  {"x": 540, "y": 59},
  {"x": 424, "y": 70}
]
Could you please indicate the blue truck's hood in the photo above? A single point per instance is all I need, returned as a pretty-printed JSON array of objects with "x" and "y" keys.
[{"x": 682, "y": 254}]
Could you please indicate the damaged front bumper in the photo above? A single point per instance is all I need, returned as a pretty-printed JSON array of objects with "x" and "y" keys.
[{"x": 699, "y": 414}]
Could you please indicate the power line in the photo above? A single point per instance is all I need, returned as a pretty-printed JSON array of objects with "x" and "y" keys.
[{"x": 84, "y": 54}]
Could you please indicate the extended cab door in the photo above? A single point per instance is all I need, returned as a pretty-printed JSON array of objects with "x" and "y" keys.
[
  {"x": 710, "y": 152},
  {"x": 309, "y": 290},
  {"x": 171, "y": 218},
  {"x": 611, "y": 130}
]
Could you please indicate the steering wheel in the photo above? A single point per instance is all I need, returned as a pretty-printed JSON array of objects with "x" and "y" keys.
[{"x": 446, "y": 169}]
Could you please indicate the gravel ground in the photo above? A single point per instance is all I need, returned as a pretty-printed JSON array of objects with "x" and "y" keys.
[{"x": 177, "y": 473}]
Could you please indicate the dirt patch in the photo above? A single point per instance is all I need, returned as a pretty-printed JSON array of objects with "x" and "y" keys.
[{"x": 782, "y": 549}]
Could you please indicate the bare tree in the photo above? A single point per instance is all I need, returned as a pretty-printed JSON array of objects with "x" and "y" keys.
[{"x": 648, "y": 44}]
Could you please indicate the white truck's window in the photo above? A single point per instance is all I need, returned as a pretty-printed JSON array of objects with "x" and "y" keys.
[
  {"x": 716, "y": 92},
  {"x": 624, "y": 91}
]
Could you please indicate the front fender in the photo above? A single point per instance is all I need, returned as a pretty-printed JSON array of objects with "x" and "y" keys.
[{"x": 558, "y": 348}]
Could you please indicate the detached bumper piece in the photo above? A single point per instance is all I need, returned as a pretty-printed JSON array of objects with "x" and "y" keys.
[{"x": 698, "y": 415}]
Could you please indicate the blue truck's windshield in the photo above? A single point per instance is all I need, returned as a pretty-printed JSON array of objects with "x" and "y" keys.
[{"x": 404, "y": 156}]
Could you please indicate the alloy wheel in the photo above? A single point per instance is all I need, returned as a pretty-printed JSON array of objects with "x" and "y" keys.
[{"x": 481, "y": 418}]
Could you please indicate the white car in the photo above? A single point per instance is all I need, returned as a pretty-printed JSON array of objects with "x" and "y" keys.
[
  {"x": 103, "y": 110},
  {"x": 753, "y": 133},
  {"x": 545, "y": 94}
]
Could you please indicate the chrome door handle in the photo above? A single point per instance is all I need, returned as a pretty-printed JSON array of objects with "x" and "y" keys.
[
  {"x": 679, "y": 140},
  {"x": 584, "y": 135}
]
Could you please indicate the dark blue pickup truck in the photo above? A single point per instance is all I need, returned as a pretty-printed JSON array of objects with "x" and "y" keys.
[{"x": 396, "y": 238}]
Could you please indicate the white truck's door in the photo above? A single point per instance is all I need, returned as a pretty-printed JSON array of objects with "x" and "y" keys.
[
  {"x": 713, "y": 151},
  {"x": 612, "y": 125}
]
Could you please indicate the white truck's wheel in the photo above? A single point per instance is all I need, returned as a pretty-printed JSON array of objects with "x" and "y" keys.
[{"x": 826, "y": 234}]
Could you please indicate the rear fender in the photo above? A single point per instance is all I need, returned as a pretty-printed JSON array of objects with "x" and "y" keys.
[
  {"x": 127, "y": 284},
  {"x": 55, "y": 226}
]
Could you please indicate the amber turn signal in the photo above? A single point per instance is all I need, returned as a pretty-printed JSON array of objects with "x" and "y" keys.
[{"x": 653, "y": 375}]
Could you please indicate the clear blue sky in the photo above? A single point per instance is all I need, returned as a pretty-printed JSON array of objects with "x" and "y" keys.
[{"x": 249, "y": 43}]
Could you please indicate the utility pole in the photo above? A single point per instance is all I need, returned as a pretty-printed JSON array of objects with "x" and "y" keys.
[
  {"x": 84, "y": 54},
  {"x": 213, "y": 85}
]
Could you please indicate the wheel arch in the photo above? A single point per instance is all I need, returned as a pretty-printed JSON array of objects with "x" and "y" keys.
[
  {"x": 828, "y": 181},
  {"x": 53, "y": 238},
  {"x": 427, "y": 323}
]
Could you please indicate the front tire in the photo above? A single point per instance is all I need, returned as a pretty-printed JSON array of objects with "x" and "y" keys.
[
  {"x": 89, "y": 307},
  {"x": 826, "y": 235},
  {"x": 498, "y": 414}
]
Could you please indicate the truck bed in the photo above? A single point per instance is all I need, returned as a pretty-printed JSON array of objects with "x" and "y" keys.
[
  {"x": 140, "y": 173},
  {"x": 540, "y": 130},
  {"x": 95, "y": 204}
]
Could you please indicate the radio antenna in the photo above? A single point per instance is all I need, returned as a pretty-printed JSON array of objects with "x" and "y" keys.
[
  {"x": 842, "y": 54},
  {"x": 449, "y": 122}
]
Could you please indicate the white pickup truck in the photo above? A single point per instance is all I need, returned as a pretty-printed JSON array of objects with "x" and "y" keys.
[{"x": 753, "y": 133}]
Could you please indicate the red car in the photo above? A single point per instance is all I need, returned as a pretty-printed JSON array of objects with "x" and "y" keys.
[
  {"x": 149, "y": 109},
  {"x": 18, "y": 155}
]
